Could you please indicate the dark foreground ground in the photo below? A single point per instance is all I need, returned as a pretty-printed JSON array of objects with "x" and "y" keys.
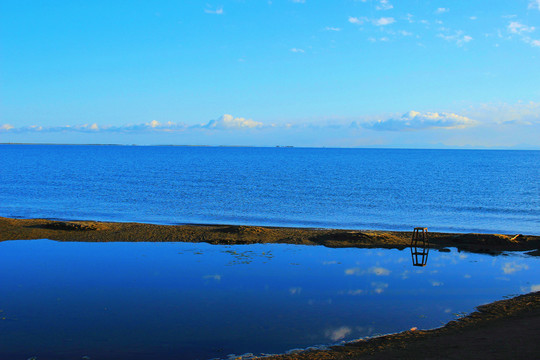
[{"x": 508, "y": 329}]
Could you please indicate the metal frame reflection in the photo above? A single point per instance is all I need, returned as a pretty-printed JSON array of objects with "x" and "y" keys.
[{"x": 420, "y": 246}]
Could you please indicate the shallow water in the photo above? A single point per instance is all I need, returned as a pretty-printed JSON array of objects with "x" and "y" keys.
[
  {"x": 386, "y": 189},
  {"x": 200, "y": 301}
]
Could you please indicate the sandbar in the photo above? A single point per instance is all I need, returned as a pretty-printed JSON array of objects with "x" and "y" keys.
[{"x": 94, "y": 231}]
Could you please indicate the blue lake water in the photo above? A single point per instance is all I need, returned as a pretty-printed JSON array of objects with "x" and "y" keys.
[
  {"x": 200, "y": 301},
  {"x": 445, "y": 190}
]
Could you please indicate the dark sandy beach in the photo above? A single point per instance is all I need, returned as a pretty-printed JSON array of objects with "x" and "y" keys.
[
  {"x": 501, "y": 330},
  {"x": 91, "y": 231}
]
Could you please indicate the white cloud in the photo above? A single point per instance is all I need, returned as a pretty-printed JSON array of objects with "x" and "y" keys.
[
  {"x": 356, "y": 20},
  {"x": 522, "y": 31},
  {"x": 409, "y": 18},
  {"x": 414, "y": 120},
  {"x": 384, "y": 5},
  {"x": 295, "y": 290},
  {"x": 217, "y": 11},
  {"x": 330, "y": 28},
  {"x": 516, "y": 27},
  {"x": 458, "y": 37},
  {"x": 473, "y": 18},
  {"x": 153, "y": 125},
  {"x": 436, "y": 283},
  {"x": 384, "y": 21},
  {"x": 297, "y": 50},
  {"x": 535, "y": 288},
  {"x": 534, "y": 4},
  {"x": 442, "y": 10},
  {"x": 299, "y": 1},
  {"x": 507, "y": 114},
  {"x": 338, "y": 334},
  {"x": 38, "y": 128},
  {"x": 227, "y": 122},
  {"x": 517, "y": 122}
]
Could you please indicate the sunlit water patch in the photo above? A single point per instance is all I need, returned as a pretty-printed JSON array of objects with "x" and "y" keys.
[{"x": 201, "y": 301}]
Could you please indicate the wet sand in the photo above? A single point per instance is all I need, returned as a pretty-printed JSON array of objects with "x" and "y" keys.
[{"x": 501, "y": 330}]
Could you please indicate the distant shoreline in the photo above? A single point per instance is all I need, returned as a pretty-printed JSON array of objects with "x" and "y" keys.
[
  {"x": 281, "y": 146},
  {"x": 95, "y": 231}
]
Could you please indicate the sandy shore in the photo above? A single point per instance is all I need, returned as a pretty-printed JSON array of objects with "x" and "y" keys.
[
  {"x": 91, "y": 231},
  {"x": 501, "y": 330}
]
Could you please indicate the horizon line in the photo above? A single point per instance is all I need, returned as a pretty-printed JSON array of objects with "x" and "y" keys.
[{"x": 282, "y": 146}]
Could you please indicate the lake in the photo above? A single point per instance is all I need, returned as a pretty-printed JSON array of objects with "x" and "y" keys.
[
  {"x": 69, "y": 300},
  {"x": 379, "y": 189}
]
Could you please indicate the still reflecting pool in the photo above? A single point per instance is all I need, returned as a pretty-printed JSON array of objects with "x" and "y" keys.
[{"x": 201, "y": 301}]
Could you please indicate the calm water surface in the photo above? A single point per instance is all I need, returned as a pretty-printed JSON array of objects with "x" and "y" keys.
[
  {"x": 445, "y": 190},
  {"x": 200, "y": 301}
]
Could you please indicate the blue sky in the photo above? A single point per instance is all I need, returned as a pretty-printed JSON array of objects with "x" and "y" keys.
[{"x": 342, "y": 73}]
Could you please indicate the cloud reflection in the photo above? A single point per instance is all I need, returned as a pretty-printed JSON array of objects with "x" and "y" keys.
[
  {"x": 510, "y": 268},
  {"x": 338, "y": 334},
  {"x": 216, "y": 277},
  {"x": 379, "y": 287},
  {"x": 375, "y": 270},
  {"x": 329, "y": 262},
  {"x": 295, "y": 290}
]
